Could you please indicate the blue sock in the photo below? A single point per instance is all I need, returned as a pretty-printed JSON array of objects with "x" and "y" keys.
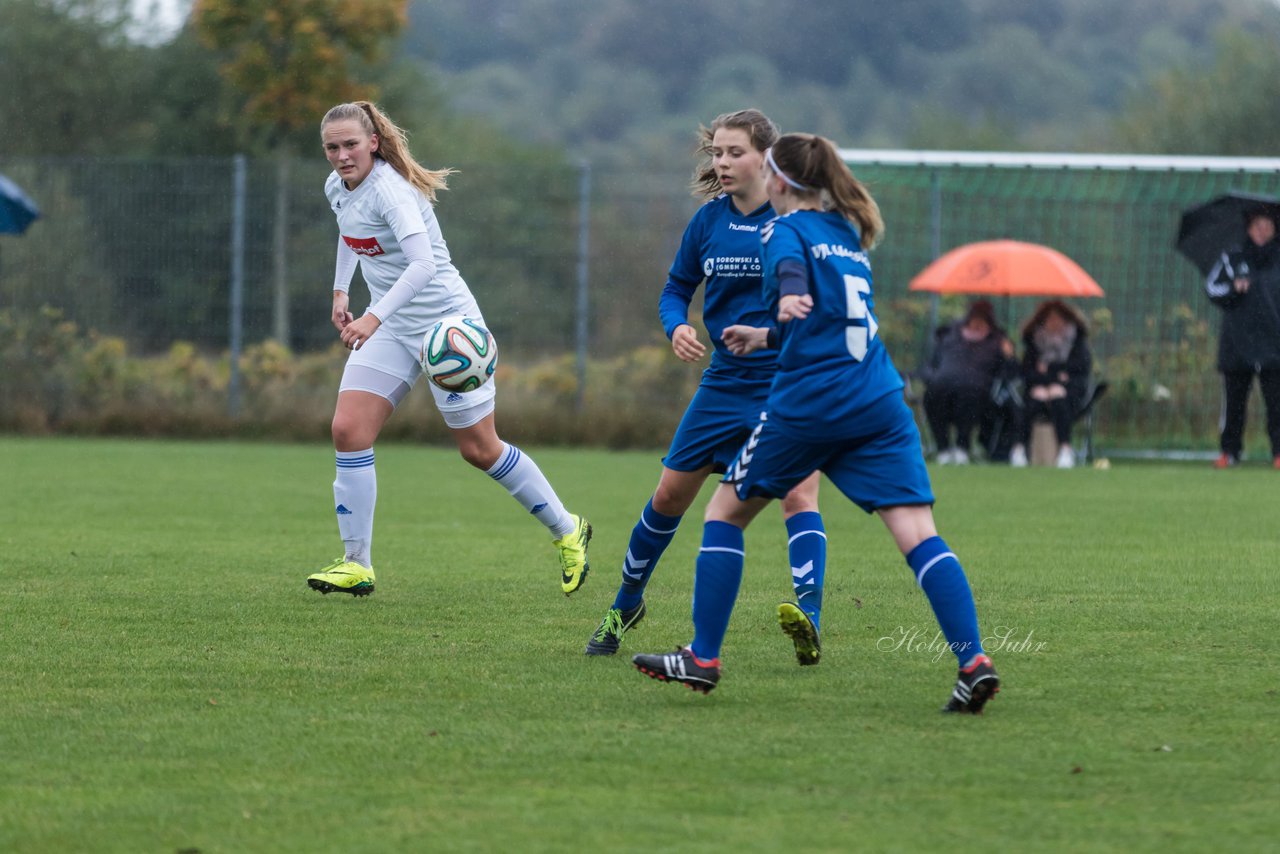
[
  {"x": 715, "y": 586},
  {"x": 649, "y": 539},
  {"x": 807, "y": 547},
  {"x": 940, "y": 576}
]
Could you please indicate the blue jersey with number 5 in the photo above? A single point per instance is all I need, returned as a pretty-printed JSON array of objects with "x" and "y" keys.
[{"x": 831, "y": 364}]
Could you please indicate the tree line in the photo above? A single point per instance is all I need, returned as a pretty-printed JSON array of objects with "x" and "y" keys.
[
  {"x": 602, "y": 81},
  {"x": 628, "y": 83}
]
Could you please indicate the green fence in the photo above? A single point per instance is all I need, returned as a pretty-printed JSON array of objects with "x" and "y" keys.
[
  {"x": 1154, "y": 334},
  {"x": 144, "y": 250}
]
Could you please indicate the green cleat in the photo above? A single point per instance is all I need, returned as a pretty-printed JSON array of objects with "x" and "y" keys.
[
  {"x": 343, "y": 576},
  {"x": 573, "y": 555},
  {"x": 797, "y": 626}
]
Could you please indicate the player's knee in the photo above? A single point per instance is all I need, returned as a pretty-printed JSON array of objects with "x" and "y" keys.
[
  {"x": 480, "y": 454},
  {"x": 802, "y": 499},
  {"x": 350, "y": 434},
  {"x": 672, "y": 500},
  {"x": 475, "y": 456},
  {"x": 798, "y": 502}
]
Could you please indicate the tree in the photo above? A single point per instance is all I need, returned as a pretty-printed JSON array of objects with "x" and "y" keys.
[
  {"x": 69, "y": 77},
  {"x": 1230, "y": 108},
  {"x": 291, "y": 60}
]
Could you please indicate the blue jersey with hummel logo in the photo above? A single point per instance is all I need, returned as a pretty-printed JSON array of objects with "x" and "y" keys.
[
  {"x": 831, "y": 364},
  {"x": 721, "y": 247}
]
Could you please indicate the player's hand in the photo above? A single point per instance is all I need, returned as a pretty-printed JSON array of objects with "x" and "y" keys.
[
  {"x": 743, "y": 340},
  {"x": 794, "y": 307},
  {"x": 340, "y": 316},
  {"x": 685, "y": 344},
  {"x": 355, "y": 333}
]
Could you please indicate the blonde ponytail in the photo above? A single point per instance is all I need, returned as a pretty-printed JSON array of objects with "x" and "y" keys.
[{"x": 393, "y": 145}]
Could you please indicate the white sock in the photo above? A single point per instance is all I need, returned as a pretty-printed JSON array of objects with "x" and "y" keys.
[
  {"x": 527, "y": 484},
  {"x": 355, "y": 492}
]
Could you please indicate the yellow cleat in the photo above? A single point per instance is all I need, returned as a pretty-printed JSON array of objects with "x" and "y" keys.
[
  {"x": 343, "y": 576},
  {"x": 796, "y": 625},
  {"x": 573, "y": 555}
]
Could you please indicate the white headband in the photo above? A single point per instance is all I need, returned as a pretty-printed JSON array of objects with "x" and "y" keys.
[{"x": 773, "y": 164}]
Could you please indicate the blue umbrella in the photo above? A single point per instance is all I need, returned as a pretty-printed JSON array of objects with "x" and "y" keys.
[{"x": 17, "y": 211}]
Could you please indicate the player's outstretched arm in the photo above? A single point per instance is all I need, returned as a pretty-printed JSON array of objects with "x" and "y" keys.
[
  {"x": 794, "y": 307},
  {"x": 743, "y": 340},
  {"x": 341, "y": 314},
  {"x": 355, "y": 333},
  {"x": 685, "y": 343}
]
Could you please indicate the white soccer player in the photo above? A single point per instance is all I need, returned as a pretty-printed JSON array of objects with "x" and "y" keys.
[{"x": 382, "y": 199}]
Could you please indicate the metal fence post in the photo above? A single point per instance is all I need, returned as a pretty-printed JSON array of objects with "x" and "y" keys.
[
  {"x": 584, "y": 249},
  {"x": 280, "y": 241},
  {"x": 238, "y": 182},
  {"x": 935, "y": 234}
]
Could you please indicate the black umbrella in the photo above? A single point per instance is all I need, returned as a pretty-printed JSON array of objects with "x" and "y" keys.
[
  {"x": 1217, "y": 226},
  {"x": 17, "y": 211}
]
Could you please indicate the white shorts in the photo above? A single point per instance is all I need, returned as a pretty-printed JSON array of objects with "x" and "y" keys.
[{"x": 387, "y": 365}]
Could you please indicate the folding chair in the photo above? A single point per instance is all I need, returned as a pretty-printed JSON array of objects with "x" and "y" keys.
[{"x": 1087, "y": 413}]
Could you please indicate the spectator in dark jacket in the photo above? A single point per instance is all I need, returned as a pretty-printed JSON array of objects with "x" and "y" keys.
[
  {"x": 968, "y": 356},
  {"x": 1056, "y": 366},
  {"x": 1245, "y": 284}
]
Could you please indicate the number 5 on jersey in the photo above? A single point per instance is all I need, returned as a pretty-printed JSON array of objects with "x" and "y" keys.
[{"x": 858, "y": 335}]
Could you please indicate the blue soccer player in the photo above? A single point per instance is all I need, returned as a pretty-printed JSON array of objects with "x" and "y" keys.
[
  {"x": 836, "y": 406},
  {"x": 721, "y": 246}
]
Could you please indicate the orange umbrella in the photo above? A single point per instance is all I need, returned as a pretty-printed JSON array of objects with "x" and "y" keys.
[{"x": 1006, "y": 268}]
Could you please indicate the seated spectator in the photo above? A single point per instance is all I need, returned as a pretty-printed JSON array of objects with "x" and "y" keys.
[
  {"x": 1056, "y": 366},
  {"x": 968, "y": 356}
]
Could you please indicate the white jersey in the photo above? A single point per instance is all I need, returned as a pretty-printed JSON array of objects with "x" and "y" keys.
[{"x": 373, "y": 219}]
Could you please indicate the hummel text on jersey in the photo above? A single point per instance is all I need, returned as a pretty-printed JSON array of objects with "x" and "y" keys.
[
  {"x": 733, "y": 226},
  {"x": 822, "y": 251},
  {"x": 364, "y": 245}
]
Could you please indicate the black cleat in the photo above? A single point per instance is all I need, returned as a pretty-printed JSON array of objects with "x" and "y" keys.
[
  {"x": 680, "y": 666},
  {"x": 975, "y": 685},
  {"x": 608, "y": 635}
]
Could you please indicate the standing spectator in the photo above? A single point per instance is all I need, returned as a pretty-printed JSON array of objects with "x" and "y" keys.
[
  {"x": 1056, "y": 365},
  {"x": 1245, "y": 284},
  {"x": 968, "y": 356}
]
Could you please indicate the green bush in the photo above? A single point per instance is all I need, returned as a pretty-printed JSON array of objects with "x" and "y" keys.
[{"x": 57, "y": 378}]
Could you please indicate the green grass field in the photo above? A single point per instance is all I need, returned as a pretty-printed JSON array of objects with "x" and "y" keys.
[{"x": 170, "y": 684}]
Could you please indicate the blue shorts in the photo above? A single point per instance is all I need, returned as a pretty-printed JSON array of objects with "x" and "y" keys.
[
  {"x": 714, "y": 427},
  {"x": 884, "y": 467}
]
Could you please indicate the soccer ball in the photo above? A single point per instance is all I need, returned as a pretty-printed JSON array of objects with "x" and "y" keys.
[{"x": 458, "y": 354}]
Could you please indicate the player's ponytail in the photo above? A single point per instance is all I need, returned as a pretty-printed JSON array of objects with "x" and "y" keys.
[
  {"x": 760, "y": 130},
  {"x": 811, "y": 164},
  {"x": 393, "y": 145}
]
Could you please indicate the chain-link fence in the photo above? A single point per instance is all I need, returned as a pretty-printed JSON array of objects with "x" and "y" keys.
[
  {"x": 1154, "y": 335},
  {"x": 143, "y": 250}
]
